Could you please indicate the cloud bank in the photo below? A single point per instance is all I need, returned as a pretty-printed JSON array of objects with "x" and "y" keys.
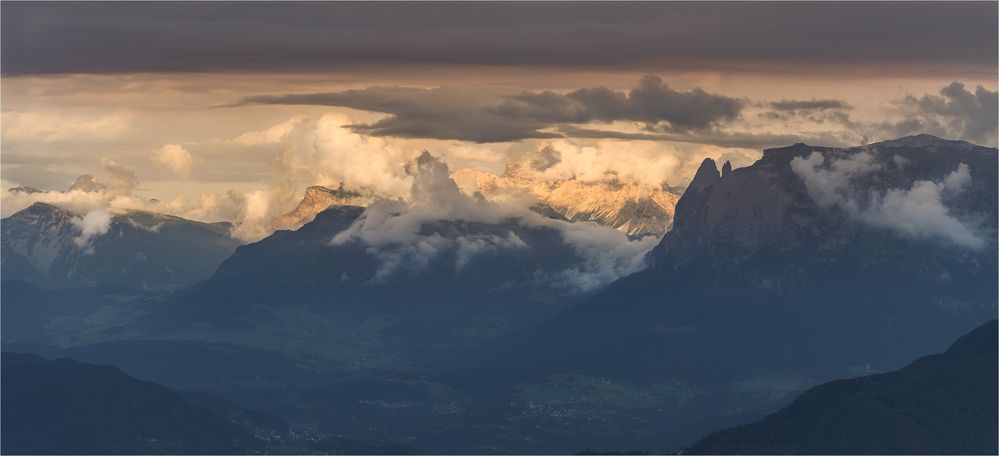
[
  {"x": 482, "y": 117},
  {"x": 955, "y": 113},
  {"x": 650, "y": 111},
  {"x": 651, "y": 102},
  {"x": 917, "y": 212},
  {"x": 393, "y": 231}
]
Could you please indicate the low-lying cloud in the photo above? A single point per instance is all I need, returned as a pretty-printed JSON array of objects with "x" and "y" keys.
[
  {"x": 918, "y": 211},
  {"x": 392, "y": 231},
  {"x": 91, "y": 225}
]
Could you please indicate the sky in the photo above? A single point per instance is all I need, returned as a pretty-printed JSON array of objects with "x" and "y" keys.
[{"x": 229, "y": 110}]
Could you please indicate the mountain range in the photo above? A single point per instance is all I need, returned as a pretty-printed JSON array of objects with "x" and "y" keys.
[
  {"x": 48, "y": 246},
  {"x": 300, "y": 288},
  {"x": 759, "y": 277},
  {"x": 626, "y": 205},
  {"x": 455, "y": 323}
]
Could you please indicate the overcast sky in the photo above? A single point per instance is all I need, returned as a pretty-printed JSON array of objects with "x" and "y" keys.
[{"x": 196, "y": 99}]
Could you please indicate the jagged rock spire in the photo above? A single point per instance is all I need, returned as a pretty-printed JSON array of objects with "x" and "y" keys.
[{"x": 706, "y": 175}]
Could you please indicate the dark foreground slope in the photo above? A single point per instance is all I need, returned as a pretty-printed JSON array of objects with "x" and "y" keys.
[
  {"x": 67, "y": 407},
  {"x": 939, "y": 404}
]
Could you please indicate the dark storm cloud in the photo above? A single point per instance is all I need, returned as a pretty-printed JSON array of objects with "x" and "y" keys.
[
  {"x": 468, "y": 115},
  {"x": 50, "y": 37},
  {"x": 955, "y": 113},
  {"x": 441, "y": 113},
  {"x": 818, "y": 111},
  {"x": 716, "y": 137},
  {"x": 809, "y": 105},
  {"x": 650, "y": 102}
]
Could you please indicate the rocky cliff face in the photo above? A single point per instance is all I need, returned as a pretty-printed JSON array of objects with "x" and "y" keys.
[
  {"x": 630, "y": 207},
  {"x": 916, "y": 209},
  {"x": 317, "y": 199},
  {"x": 46, "y": 245}
]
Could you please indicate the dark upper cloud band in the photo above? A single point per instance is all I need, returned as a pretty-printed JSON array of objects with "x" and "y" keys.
[
  {"x": 650, "y": 102},
  {"x": 809, "y": 105},
  {"x": 103, "y": 37},
  {"x": 468, "y": 115},
  {"x": 441, "y": 113},
  {"x": 694, "y": 116}
]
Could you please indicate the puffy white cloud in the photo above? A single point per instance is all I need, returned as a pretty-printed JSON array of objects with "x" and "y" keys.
[
  {"x": 828, "y": 185},
  {"x": 323, "y": 150},
  {"x": 91, "y": 225},
  {"x": 918, "y": 211},
  {"x": 647, "y": 163},
  {"x": 176, "y": 158},
  {"x": 272, "y": 135}
]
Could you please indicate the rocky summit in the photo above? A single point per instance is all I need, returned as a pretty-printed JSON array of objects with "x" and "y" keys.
[{"x": 628, "y": 206}]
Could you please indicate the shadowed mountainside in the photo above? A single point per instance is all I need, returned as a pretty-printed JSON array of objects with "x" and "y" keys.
[
  {"x": 142, "y": 250},
  {"x": 939, "y": 404}
]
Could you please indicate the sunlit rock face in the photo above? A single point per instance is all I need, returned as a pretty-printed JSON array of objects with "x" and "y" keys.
[
  {"x": 317, "y": 199},
  {"x": 87, "y": 183},
  {"x": 631, "y": 207}
]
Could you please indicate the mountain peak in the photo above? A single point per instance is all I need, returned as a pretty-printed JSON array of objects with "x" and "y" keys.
[
  {"x": 317, "y": 199},
  {"x": 320, "y": 194},
  {"x": 41, "y": 208},
  {"x": 706, "y": 175},
  {"x": 87, "y": 183}
]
